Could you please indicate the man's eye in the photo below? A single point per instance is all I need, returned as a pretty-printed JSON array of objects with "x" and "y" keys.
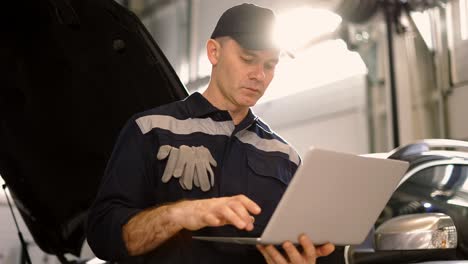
[
  {"x": 247, "y": 59},
  {"x": 270, "y": 66}
]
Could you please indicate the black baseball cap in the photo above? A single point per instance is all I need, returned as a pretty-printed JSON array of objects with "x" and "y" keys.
[{"x": 249, "y": 25}]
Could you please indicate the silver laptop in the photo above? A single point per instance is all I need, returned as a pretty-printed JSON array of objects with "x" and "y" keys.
[{"x": 333, "y": 197}]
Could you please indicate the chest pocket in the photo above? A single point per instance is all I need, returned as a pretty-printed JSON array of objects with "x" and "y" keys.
[{"x": 268, "y": 177}]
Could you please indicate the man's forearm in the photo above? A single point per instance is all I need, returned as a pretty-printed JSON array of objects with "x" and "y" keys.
[
  {"x": 149, "y": 229},
  {"x": 152, "y": 227}
]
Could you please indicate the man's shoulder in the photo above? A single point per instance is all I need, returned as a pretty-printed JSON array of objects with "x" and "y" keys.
[
  {"x": 268, "y": 141},
  {"x": 175, "y": 109},
  {"x": 149, "y": 119},
  {"x": 264, "y": 130}
]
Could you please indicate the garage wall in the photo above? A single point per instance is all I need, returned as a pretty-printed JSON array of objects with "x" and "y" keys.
[
  {"x": 169, "y": 26},
  {"x": 457, "y": 111},
  {"x": 333, "y": 116}
]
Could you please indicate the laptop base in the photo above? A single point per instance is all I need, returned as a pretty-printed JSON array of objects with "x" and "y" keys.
[{"x": 236, "y": 240}]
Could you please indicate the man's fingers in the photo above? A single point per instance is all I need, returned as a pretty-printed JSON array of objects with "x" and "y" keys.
[
  {"x": 262, "y": 250},
  {"x": 325, "y": 250},
  {"x": 240, "y": 210},
  {"x": 309, "y": 249},
  {"x": 231, "y": 217},
  {"x": 228, "y": 210},
  {"x": 212, "y": 220},
  {"x": 293, "y": 254},
  {"x": 275, "y": 256},
  {"x": 250, "y": 205},
  {"x": 265, "y": 254}
]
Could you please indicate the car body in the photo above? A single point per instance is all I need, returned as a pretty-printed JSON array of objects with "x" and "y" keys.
[
  {"x": 73, "y": 72},
  {"x": 436, "y": 182}
]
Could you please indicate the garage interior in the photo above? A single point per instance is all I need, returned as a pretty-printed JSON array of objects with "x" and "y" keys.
[{"x": 356, "y": 76}]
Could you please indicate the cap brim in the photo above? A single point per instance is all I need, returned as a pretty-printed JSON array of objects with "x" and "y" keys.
[
  {"x": 257, "y": 42},
  {"x": 254, "y": 41}
]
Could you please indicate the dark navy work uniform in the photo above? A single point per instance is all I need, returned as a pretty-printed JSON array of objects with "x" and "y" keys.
[{"x": 251, "y": 160}]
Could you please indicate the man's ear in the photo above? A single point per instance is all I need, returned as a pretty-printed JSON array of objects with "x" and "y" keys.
[{"x": 213, "y": 49}]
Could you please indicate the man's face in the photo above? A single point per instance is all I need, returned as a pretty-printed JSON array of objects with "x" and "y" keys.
[{"x": 243, "y": 75}]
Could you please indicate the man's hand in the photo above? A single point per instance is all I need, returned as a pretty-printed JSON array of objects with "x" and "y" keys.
[
  {"x": 234, "y": 210},
  {"x": 309, "y": 255},
  {"x": 150, "y": 228}
]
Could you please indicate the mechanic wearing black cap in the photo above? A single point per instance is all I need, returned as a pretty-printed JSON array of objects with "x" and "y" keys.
[{"x": 205, "y": 165}]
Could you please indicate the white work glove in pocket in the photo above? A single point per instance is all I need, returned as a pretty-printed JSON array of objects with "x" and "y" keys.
[{"x": 190, "y": 164}]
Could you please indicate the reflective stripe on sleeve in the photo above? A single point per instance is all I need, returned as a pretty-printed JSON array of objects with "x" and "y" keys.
[
  {"x": 268, "y": 145},
  {"x": 185, "y": 126},
  {"x": 210, "y": 127}
]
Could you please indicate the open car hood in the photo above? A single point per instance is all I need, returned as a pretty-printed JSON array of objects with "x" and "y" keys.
[{"x": 72, "y": 73}]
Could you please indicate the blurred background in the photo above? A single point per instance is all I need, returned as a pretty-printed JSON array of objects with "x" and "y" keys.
[{"x": 337, "y": 91}]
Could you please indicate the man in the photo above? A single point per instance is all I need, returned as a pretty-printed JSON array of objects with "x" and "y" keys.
[{"x": 206, "y": 165}]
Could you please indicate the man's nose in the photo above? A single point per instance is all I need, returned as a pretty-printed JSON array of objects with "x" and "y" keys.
[{"x": 258, "y": 73}]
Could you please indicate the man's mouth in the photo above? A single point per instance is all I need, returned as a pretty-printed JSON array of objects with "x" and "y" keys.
[{"x": 253, "y": 89}]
